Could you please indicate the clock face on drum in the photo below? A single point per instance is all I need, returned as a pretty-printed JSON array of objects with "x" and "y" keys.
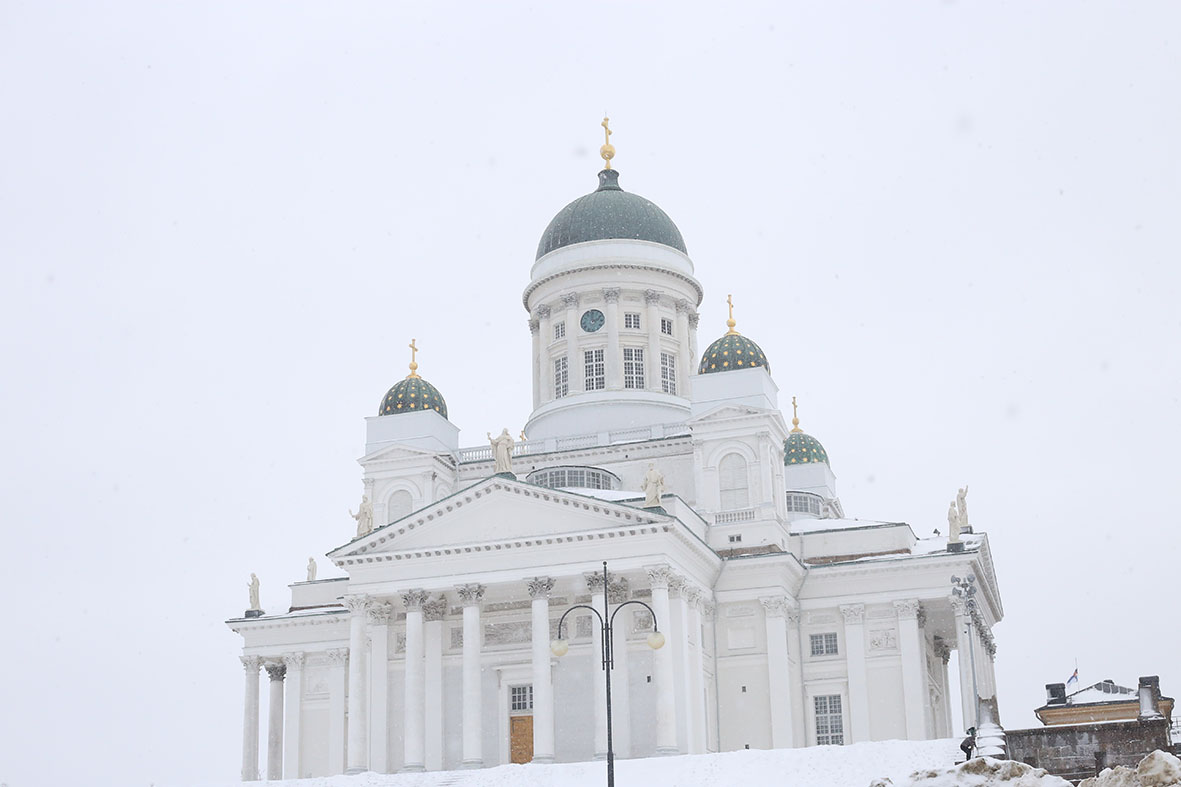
[{"x": 592, "y": 320}]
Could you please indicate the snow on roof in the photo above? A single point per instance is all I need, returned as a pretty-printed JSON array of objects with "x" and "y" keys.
[
  {"x": 610, "y": 495},
  {"x": 819, "y": 525},
  {"x": 1103, "y": 691}
]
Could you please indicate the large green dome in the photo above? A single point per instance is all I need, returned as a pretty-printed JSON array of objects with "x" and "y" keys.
[
  {"x": 800, "y": 449},
  {"x": 412, "y": 395},
  {"x": 732, "y": 351},
  {"x": 607, "y": 213}
]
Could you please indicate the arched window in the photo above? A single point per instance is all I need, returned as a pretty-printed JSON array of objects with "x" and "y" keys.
[
  {"x": 735, "y": 482},
  {"x": 400, "y": 505}
]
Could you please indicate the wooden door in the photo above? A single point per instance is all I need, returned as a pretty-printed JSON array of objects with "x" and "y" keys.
[{"x": 520, "y": 738}]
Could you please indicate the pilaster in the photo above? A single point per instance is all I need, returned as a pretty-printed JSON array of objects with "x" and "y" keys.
[
  {"x": 778, "y": 671},
  {"x": 854, "y": 615},
  {"x": 914, "y": 668},
  {"x": 379, "y": 695},
  {"x": 433, "y": 613},
  {"x": 293, "y": 712}
]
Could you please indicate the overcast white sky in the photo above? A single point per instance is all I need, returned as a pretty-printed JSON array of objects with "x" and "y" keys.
[{"x": 952, "y": 226}]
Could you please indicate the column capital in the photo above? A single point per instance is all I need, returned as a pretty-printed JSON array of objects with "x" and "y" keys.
[
  {"x": 470, "y": 594},
  {"x": 651, "y": 297},
  {"x": 414, "y": 599},
  {"x": 618, "y": 590},
  {"x": 683, "y": 306},
  {"x": 793, "y": 615},
  {"x": 941, "y": 649},
  {"x": 594, "y": 581},
  {"x": 694, "y": 318},
  {"x": 676, "y": 585},
  {"x": 543, "y": 312},
  {"x": 708, "y": 610},
  {"x": 958, "y": 606},
  {"x": 540, "y": 587},
  {"x": 434, "y": 609},
  {"x": 854, "y": 614},
  {"x": 908, "y": 609},
  {"x": 693, "y": 594},
  {"x": 379, "y": 614},
  {"x": 611, "y": 294},
  {"x": 570, "y": 300},
  {"x": 337, "y": 656},
  {"x": 534, "y": 325},
  {"x": 659, "y": 576},
  {"x": 774, "y": 606},
  {"x": 251, "y": 663},
  {"x": 358, "y": 603},
  {"x": 293, "y": 661},
  {"x": 276, "y": 670}
]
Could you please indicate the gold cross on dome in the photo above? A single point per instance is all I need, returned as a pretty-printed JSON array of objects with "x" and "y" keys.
[
  {"x": 608, "y": 150},
  {"x": 730, "y": 322},
  {"x": 795, "y": 417},
  {"x": 413, "y": 363}
]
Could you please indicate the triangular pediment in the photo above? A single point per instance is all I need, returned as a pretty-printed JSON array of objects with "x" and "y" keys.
[
  {"x": 725, "y": 412},
  {"x": 397, "y": 452},
  {"x": 498, "y": 509}
]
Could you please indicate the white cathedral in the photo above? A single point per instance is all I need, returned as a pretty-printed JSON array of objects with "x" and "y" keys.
[{"x": 785, "y": 622}]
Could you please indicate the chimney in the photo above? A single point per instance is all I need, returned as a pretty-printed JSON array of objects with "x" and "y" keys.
[
  {"x": 1149, "y": 693},
  {"x": 1055, "y": 693}
]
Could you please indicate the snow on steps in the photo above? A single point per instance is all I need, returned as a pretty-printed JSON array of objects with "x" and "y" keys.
[{"x": 856, "y": 765}]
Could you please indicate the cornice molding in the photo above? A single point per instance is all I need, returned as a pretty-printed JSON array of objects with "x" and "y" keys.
[{"x": 614, "y": 266}]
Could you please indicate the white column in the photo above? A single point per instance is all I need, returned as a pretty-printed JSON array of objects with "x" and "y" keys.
[
  {"x": 796, "y": 664},
  {"x": 621, "y": 730},
  {"x": 358, "y": 748},
  {"x": 543, "y": 687},
  {"x": 432, "y": 613},
  {"x": 538, "y": 362},
  {"x": 337, "y": 683},
  {"x": 293, "y": 709},
  {"x": 944, "y": 712},
  {"x": 577, "y": 379},
  {"x": 678, "y": 591},
  {"x": 652, "y": 302},
  {"x": 914, "y": 670},
  {"x": 594, "y": 583},
  {"x": 379, "y": 690},
  {"x": 693, "y": 354},
  {"x": 697, "y": 745},
  {"x": 473, "y": 751},
  {"x": 662, "y": 664},
  {"x": 545, "y": 332},
  {"x": 964, "y": 646},
  {"x": 614, "y": 354},
  {"x": 414, "y": 701},
  {"x": 250, "y": 722},
  {"x": 685, "y": 360},
  {"x": 778, "y": 671},
  {"x": 276, "y": 671},
  {"x": 858, "y": 679},
  {"x": 708, "y": 614}
]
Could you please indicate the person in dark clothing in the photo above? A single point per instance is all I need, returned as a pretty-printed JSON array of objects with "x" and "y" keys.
[{"x": 969, "y": 743}]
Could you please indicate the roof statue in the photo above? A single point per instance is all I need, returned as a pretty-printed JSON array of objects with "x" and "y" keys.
[
  {"x": 653, "y": 486},
  {"x": 502, "y": 451},
  {"x": 961, "y": 504},
  {"x": 253, "y": 586},
  {"x": 953, "y": 524},
  {"x": 364, "y": 517},
  {"x": 311, "y": 569}
]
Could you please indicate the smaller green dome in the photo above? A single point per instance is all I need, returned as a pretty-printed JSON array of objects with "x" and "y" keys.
[
  {"x": 732, "y": 351},
  {"x": 412, "y": 395},
  {"x": 800, "y": 449}
]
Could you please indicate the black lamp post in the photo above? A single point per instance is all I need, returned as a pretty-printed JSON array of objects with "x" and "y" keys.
[{"x": 561, "y": 647}]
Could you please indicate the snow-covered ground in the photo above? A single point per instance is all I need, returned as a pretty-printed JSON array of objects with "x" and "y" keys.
[{"x": 856, "y": 765}]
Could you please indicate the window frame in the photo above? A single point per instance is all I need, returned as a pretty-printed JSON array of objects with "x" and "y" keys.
[
  {"x": 825, "y": 639},
  {"x": 829, "y": 736},
  {"x": 561, "y": 377},
  {"x": 559, "y": 330},
  {"x": 594, "y": 369},
  {"x": 632, "y": 322},
  {"x": 633, "y": 368},
  {"x": 668, "y": 373},
  {"x": 666, "y": 326}
]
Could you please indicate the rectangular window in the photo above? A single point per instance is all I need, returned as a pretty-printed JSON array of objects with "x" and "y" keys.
[
  {"x": 737, "y": 539},
  {"x": 561, "y": 377},
  {"x": 830, "y": 729},
  {"x": 631, "y": 320},
  {"x": 559, "y": 330},
  {"x": 824, "y": 644},
  {"x": 521, "y": 697},
  {"x": 668, "y": 373},
  {"x": 633, "y": 367},
  {"x": 666, "y": 326},
  {"x": 596, "y": 378}
]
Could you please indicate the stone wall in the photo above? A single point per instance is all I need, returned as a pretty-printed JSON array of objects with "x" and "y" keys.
[{"x": 1070, "y": 751}]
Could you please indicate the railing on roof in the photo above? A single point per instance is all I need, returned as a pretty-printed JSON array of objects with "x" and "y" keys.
[
  {"x": 737, "y": 515},
  {"x": 483, "y": 453}
]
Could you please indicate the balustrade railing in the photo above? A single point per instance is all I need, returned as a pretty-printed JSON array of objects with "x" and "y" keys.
[{"x": 483, "y": 453}]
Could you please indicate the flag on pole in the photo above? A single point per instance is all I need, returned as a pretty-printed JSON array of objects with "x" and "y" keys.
[{"x": 1073, "y": 678}]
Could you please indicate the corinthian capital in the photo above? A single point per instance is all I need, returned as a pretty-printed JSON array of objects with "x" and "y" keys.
[
  {"x": 651, "y": 296},
  {"x": 543, "y": 312},
  {"x": 337, "y": 656},
  {"x": 611, "y": 294},
  {"x": 251, "y": 663},
  {"x": 379, "y": 614},
  {"x": 854, "y": 613},
  {"x": 658, "y": 576},
  {"x": 594, "y": 582},
  {"x": 694, "y": 318},
  {"x": 534, "y": 326},
  {"x": 907, "y": 609},
  {"x": 358, "y": 603},
  {"x": 774, "y": 606},
  {"x": 276, "y": 670},
  {"x": 434, "y": 609},
  {"x": 470, "y": 594},
  {"x": 683, "y": 306},
  {"x": 414, "y": 599},
  {"x": 540, "y": 587},
  {"x": 570, "y": 300},
  {"x": 293, "y": 660}
]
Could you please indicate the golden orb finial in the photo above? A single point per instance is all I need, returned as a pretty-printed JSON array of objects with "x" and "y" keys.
[
  {"x": 413, "y": 363},
  {"x": 608, "y": 150},
  {"x": 730, "y": 322},
  {"x": 795, "y": 417}
]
